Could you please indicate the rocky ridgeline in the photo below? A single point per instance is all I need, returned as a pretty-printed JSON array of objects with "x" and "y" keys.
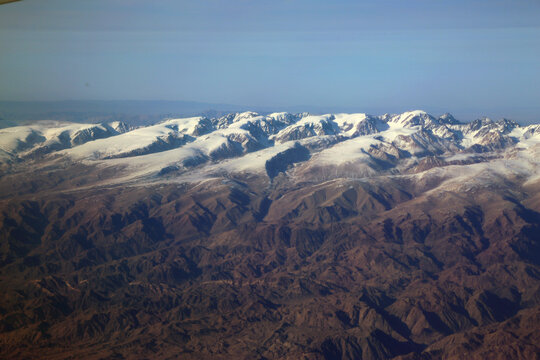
[{"x": 283, "y": 236}]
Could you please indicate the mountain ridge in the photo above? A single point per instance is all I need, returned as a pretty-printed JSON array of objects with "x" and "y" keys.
[
  {"x": 280, "y": 236},
  {"x": 191, "y": 142}
]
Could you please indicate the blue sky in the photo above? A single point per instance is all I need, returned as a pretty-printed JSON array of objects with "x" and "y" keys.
[{"x": 470, "y": 57}]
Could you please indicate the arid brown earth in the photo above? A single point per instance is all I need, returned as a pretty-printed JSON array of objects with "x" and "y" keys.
[{"x": 248, "y": 268}]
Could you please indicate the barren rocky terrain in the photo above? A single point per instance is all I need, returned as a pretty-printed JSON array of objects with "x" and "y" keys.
[{"x": 285, "y": 236}]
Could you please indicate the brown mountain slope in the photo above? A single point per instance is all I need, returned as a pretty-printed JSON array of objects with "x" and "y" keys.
[{"x": 244, "y": 268}]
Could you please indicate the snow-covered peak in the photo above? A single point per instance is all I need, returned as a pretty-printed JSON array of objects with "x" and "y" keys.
[
  {"x": 120, "y": 126},
  {"x": 413, "y": 118},
  {"x": 191, "y": 126},
  {"x": 357, "y": 142},
  {"x": 47, "y": 136},
  {"x": 308, "y": 126},
  {"x": 279, "y": 115},
  {"x": 480, "y": 123},
  {"x": 448, "y": 119},
  {"x": 232, "y": 118},
  {"x": 19, "y": 138},
  {"x": 359, "y": 124},
  {"x": 347, "y": 123}
]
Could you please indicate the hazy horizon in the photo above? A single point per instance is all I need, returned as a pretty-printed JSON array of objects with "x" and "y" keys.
[{"x": 36, "y": 110}]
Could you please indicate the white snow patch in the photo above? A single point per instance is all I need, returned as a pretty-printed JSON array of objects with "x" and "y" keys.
[
  {"x": 348, "y": 123},
  {"x": 347, "y": 151},
  {"x": 14, "y": 137},
  {"x": 132, "y": 140}
]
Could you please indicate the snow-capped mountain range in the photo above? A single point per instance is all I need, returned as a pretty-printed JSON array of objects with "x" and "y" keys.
[
  {"x": 320, "y": 146},
  {"x": 280, "y": 236}
]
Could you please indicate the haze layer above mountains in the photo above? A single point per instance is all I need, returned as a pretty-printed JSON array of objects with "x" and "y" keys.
[{"x": 343, "y": 236}]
